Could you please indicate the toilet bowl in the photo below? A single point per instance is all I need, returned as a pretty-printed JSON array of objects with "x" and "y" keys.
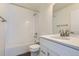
[{"x": 34, "y": 49}]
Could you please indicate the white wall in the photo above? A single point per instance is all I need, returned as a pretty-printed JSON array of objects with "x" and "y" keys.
[
  {"x": 20, "y": 28},
  {"x": 45, "y": 20},
  {"x": 74, "y": 19},
  {"x": 63, "y": 16},
  {"x": 2, "y": 30},
  {"x": 36, "y": 26}
]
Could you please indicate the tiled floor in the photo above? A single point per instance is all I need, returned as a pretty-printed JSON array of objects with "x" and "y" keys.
[{"x": 25, "y": 54}]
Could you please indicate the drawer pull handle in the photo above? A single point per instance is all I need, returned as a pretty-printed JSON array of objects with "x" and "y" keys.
[
  {"x": 48, "y": 54},
  {"x": 42, "y": 51}
]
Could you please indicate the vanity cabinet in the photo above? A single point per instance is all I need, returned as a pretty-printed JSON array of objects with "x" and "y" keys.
[
  {"x": 51, "y": 48},
  {"x": 46, "y": 49}
]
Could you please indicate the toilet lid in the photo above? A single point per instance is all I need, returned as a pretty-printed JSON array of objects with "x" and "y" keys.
[{"x": 35, "y": 46}]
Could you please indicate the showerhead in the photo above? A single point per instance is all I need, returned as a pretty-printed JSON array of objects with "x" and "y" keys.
[
  {"x": 2, "y": 19},
  {"x": 34, "y": 14}
]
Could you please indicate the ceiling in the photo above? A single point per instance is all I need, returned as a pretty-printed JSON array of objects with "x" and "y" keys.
[
  {"x": 33, "y": 6},
  {"x": 37, "y": 6},
  {"x": 59, "y": 6}
]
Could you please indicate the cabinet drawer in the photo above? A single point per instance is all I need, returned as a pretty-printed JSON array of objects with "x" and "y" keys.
[
  {"x": 43, "y": 51},
  {"x": 59, "y": 49}
]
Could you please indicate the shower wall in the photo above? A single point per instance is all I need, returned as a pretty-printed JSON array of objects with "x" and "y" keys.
[
  {"x": 19, "y": 31},
  {"x": 2, "y": 30}
]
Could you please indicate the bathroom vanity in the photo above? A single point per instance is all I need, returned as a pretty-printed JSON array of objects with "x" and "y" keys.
[{"x": 54, "y": 45}]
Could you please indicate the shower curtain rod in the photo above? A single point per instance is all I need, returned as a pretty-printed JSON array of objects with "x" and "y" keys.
[{"x": 24, "y": 7}]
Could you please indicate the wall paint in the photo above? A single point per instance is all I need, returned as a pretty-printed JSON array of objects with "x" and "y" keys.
[
  {"x": 2, "y": 30},
  {"x": 60, "y": 18},
  {"x": 17, "y": 38},
  {"x": 63, "y": 16},
  {"x": 20, "y": 29},
  {"x": 45, "y": 20},
  {"x": 36, "y": 26}
]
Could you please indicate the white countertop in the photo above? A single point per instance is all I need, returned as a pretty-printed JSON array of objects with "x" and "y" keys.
[{"x": 71, "y": 41}]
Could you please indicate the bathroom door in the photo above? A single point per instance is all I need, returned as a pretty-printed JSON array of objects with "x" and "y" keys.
[{"x": 2, "y": 38}]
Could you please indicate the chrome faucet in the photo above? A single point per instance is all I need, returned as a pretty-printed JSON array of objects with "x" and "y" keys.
[{"x": 64, "y": 33}]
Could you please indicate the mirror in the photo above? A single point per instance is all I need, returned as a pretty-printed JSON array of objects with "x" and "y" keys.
[{"x": 66, "y": 17}]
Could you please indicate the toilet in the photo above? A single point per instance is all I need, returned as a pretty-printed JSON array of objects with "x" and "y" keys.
[{"x": 34, "y": 49}]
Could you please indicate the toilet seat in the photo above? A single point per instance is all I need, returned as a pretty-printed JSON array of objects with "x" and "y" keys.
[{"x": 34, "y": 47}]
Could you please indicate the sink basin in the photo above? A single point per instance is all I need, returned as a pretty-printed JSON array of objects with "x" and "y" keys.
[
  {"x": 59, "y": 37},
  {"x": 64, "y": 38}
]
